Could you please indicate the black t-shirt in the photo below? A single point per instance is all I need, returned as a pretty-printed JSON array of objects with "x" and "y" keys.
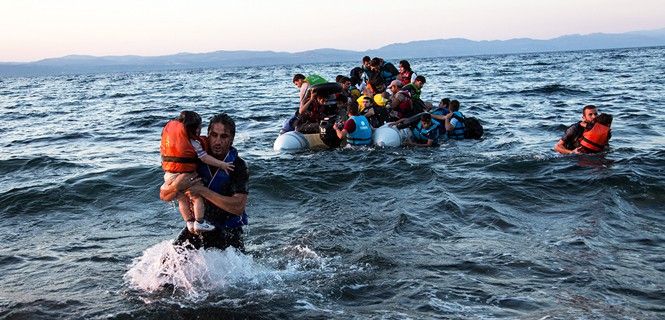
[
  {"x": 239, "y": 183},
  {"x": 571, "y": 138}
]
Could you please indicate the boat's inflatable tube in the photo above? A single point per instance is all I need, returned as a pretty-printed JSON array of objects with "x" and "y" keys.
[
  {"x": 390, "y": 136},
  {"x": 294, "y": 141}
]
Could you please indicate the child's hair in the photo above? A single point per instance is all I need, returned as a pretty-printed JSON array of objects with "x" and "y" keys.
[
  {"x": 192, "y": 122},
  {"x": 604, "y": 119}
]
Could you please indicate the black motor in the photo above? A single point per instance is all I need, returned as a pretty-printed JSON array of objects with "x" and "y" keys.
[{"x": 328, "y": 133}]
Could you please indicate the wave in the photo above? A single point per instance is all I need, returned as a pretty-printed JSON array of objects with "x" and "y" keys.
[{"x": 553, "y": 89}]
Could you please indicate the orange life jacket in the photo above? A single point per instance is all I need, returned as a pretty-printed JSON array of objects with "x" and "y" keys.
[
  {"x": 177, "y": 152},
  {"x": 595, "y": 139}
]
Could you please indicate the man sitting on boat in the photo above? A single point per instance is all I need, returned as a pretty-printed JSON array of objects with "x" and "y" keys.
[{"x": 356, "y": 130}]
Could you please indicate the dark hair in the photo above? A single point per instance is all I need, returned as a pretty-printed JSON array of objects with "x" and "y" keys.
[
  {"x": 421, "y": 79},
  {"x": 604, "y": 118},
  {"x": 191, "y": 120},
  {"x": 367, "y": 98},
  {"x": 366, "y": 59},
  {"x": 341, "y": 79},
  {"x": 587, "y": 107},
  {"x": 224, "y": 119},
  {"x": 453, "y": 106},
  {"x": 376, "y": 62},
  {"x": 356, "y": 75},
  {"x": 426, "y": 117},
  {"x": 405, "y": 64},
  {"x": 445, "y": 102},
  {"x": 298, "y": 76},
  {"x": 352, "y": 108}
]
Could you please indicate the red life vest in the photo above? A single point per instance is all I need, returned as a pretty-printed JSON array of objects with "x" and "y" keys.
[
  {"x": 596, "y": 138},
  {"x": 177, "y": 152},
  {"x": 405, "y": 77}
]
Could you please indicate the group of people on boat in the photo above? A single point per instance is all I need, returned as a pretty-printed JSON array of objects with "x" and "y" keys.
[
  {"x": 377, "y": 93},
  {"x": 374, "y": 94}
]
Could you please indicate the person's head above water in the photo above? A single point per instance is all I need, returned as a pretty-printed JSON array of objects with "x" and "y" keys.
[
  {"x": 589, "y": 112},
  {"x": 604, "y": 119},
  {"x": 221, "y": 131},
  {"x": 192, "y": 122}
]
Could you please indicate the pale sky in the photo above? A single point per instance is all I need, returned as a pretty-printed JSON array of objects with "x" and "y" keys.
[{"x": 38, "y": 29}]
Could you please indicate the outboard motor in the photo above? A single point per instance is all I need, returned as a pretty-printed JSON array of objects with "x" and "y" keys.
[{"x": 328, "y": 133}]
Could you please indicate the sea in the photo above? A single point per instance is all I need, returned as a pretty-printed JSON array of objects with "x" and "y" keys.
[{"x": 497, "y": 228}]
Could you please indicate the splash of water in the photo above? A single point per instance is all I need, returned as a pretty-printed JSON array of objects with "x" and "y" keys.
[{"x": 194, "y": 273}]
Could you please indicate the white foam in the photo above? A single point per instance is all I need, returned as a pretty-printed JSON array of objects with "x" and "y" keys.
[{"x": 195, "y": 273}]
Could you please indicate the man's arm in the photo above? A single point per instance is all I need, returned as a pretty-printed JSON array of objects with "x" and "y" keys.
[
  {"x": 560, "y": 148},
  {"x": 180, "y": 183},
  {"x": 234, "y": 204},
  {"x": 305, "y": 106}
]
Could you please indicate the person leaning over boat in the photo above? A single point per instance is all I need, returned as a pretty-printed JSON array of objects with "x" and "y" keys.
[
  {"x": 311, "y": 113},
  {"x": 225, "y": 194},
  {"x": 426, "y": 133},
  {"x": 454, "y": 122},
  {"x": 570, "y": 141},
  {"x": 356, "y": 130}
]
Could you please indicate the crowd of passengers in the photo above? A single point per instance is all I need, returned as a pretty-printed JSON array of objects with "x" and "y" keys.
[
  {"x": 377, "y": 93},
  {"x": 372, "y": 95}
]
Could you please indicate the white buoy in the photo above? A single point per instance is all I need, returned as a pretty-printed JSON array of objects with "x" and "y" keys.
[
  {"x": 291, "y": 141},
  {"x": 388, "y": 136}
]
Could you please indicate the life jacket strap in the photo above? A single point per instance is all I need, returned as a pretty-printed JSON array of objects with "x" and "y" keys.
[{"x": 178, "y": 159}]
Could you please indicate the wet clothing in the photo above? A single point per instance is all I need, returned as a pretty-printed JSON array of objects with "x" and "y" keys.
[
  {"x": 595, "y": 138},
  {"x": 457, "y": 121},
  {"x": 571, "y": 138},
  {"x": 422, "y": 135},
  {"x": 228, "y": 230}
]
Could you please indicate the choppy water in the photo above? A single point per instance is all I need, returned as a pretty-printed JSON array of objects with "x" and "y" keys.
[{"x": 501, "y": 228}]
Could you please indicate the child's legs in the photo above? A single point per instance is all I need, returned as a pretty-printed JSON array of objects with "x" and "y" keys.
[
  {"x": 198, "y": 204},
  {"x": 184, "y": 203},
  {"x": 185, "y": 206}
]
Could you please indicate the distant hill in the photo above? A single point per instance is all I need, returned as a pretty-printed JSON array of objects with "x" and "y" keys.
[{"x": 415, "y": 49}]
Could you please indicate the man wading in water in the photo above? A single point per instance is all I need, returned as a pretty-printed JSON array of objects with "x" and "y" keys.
[{"x": 225, "y": 194}]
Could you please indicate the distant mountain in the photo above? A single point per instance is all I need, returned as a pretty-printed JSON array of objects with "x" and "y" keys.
[{"x": 415, "y": 49}]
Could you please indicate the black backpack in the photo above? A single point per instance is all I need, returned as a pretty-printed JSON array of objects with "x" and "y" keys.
[{"x": 472, "y": 127}]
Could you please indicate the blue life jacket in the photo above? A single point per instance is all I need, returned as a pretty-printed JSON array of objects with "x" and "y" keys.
[
  {"x": 431, "y": 133},
  {"x": 458, "y": 132},
  {"x": 363, "y": 133},
  {"x": 217, "y": 181},
  {"x": 441, "y": 112}
]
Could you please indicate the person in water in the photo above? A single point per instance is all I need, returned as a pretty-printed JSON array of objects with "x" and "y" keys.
[
  {"x": 225, "y": 193},
  {"x": 454, "y": 122},
  {"x": 426, "y": 133},
  {"x": 180, "y": 148},
  {"x": 570, "y": 141},
  {"x": 357, "y": 129},
  {"x": 597, "y": 135}
]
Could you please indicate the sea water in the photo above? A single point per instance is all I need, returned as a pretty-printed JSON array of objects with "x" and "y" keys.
[{"x": 498, "y": 228}]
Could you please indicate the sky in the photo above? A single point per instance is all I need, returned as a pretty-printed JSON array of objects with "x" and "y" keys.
[{"x": 38, "y": 29}]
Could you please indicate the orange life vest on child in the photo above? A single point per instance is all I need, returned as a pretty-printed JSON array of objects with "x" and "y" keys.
[
  {"x": 177, "y": 152},
  {"x": 595, "y": 139}
]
